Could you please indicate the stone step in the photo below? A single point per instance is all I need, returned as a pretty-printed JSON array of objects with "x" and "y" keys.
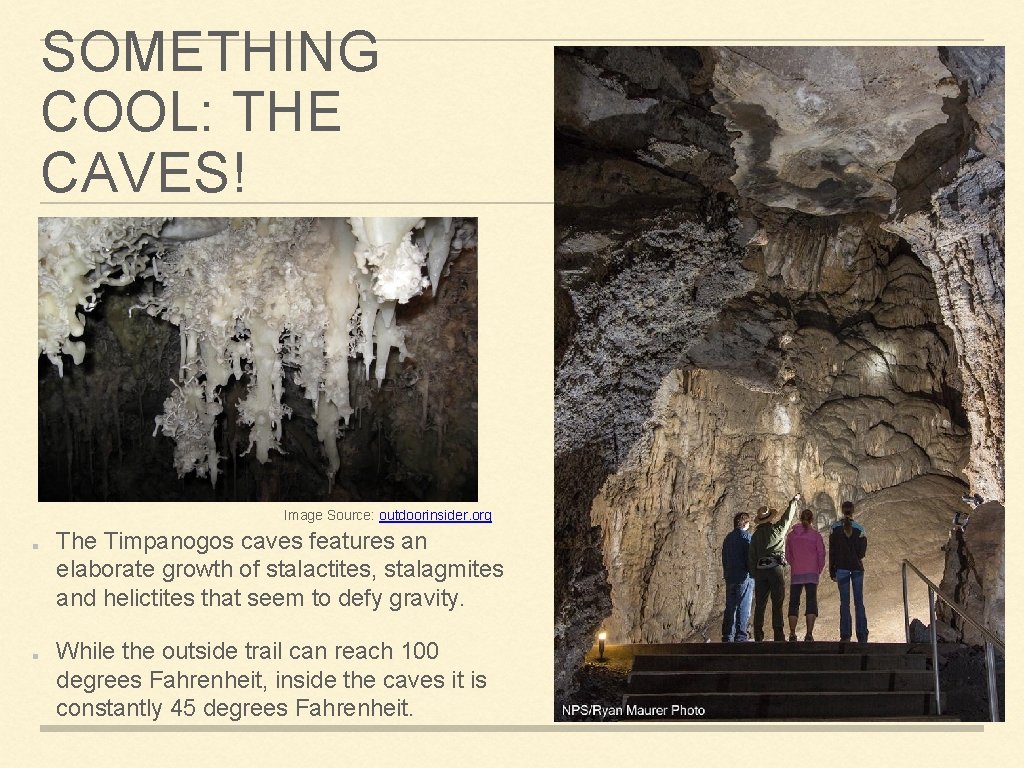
[
  {"x": 694, "y": 707},
  {"x": 827, "y": 647},
  {"x": 765, "y": 662},
  {"x": 775, "y": 681}
]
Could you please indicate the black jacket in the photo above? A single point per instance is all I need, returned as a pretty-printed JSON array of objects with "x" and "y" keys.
[
  {"x": 734, "y": 556},
  {"x": 845, "y": 551}
]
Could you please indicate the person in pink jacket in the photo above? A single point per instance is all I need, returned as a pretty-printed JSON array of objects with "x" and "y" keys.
[{"x": 805, "y": 553}]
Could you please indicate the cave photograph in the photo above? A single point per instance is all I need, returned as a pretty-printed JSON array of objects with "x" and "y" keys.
[
  {"x": 257, "y": 359},
  {"x": 779, "y": 383}
]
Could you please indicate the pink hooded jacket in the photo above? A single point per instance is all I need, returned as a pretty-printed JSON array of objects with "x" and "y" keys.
[{"x": 805, "y": 553}]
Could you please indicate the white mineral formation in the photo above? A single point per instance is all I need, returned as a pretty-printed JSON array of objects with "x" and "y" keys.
[
  {"x": 386, "y": 247},
  {"x": 251, "y": 297},
  {"x": 77, "y": 259}
]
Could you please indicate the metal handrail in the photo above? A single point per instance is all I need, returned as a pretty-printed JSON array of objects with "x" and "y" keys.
[{"x": 991, "y": 639}]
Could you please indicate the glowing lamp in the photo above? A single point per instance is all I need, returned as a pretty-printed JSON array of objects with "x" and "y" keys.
[{"x": 601, "y": 637}]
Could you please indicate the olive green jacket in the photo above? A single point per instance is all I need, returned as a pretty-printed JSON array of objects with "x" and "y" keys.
[{"x": 770, "y": 538}]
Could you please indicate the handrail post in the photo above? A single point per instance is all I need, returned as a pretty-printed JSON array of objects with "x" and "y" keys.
[
  {"x": 991, "y": 641},
  {"x": 906, "y": 603},
  {"x": 935, "y": 649},
  {"x": 993, "y": 693}
]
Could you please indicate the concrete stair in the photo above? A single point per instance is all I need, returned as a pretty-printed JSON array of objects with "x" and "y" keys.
[{"x": 781, "y": 681}]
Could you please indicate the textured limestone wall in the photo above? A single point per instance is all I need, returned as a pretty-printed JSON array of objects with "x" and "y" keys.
[
  {"x": 822, "y": 128},
  {"x": 975, "y": 575},
  {"x": 647, "y": 253},
  {"x": 961, "y": 238},
  {"x": 953, "y": 214},
  {"x": 631, "y": 323},
  {"x": 776, "y": 270},
  {"x": 829, "y": 378},
  {"x": 660, "y": 530}
]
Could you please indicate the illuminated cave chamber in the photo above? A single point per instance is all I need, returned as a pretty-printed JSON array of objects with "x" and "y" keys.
[
  {"x": 353, "y": 330},
  {"x": 777, "y": 269}
]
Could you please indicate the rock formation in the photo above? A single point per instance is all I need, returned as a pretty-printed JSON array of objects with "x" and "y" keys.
[
  {"x": 261, "y": 351},
  {"x": 776, "y": 270}
]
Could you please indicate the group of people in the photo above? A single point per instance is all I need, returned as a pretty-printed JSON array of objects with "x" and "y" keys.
[{"x": 754, "y": 564}]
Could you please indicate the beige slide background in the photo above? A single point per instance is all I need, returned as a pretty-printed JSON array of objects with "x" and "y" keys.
[{"x": 456, "y": 119}]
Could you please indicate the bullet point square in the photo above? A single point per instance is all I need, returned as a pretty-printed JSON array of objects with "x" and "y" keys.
[
  {"x": 35, "y": 546},
  {"x": 35, "y": 655}
]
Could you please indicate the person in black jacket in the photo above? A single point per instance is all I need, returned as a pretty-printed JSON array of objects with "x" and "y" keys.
[
  {"x": 739, "y": 584},
  {"x": 847, "y": 545}
]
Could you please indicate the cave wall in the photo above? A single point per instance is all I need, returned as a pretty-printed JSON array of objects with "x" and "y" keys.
[
  {"x": 821, "y": 129},
  {"x": 832, "y": 377},
  {"x": 952, "y": 211},
  {"x": 775, "y": 269},
  {"x": 961, "y": 238},
  {"x": 656, "y": 248},
  {"x": 975, "y": 576}
]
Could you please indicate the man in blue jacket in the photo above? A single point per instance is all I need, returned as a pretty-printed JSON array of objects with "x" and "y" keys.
[{"x": 739, "y": 585}]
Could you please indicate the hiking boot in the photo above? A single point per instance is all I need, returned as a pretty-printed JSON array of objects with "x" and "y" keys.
[
  {"x": 792, "y": 637},
  {"x": 808, "y": 638}
]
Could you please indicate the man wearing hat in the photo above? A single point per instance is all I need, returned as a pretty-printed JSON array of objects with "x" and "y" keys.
[{"x": 767, "y": 563}]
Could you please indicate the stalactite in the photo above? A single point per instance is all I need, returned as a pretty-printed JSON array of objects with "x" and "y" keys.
[{"x": 250, "y": 298}]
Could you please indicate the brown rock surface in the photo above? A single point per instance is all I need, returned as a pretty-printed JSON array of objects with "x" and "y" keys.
[
  {"x": 961, "y": 238},
  {"x": 975, "y": 574},
  {"x": 733, "y": 326},
  {"x": 822, "y": 127}
]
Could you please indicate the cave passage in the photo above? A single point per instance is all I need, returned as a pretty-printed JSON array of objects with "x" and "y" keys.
[{"x": 762, "y": 288}]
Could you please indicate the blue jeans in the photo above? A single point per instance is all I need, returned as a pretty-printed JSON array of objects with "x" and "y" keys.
[
  {"x": 845, "y": 579},
  {"x": 737, "y": 611}
]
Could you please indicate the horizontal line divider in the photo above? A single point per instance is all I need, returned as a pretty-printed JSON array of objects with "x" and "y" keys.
[
  {"x": 203, "y": 38},
  {"x": 555, "y": 728},
  {"x": 296, "y": 202}
]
